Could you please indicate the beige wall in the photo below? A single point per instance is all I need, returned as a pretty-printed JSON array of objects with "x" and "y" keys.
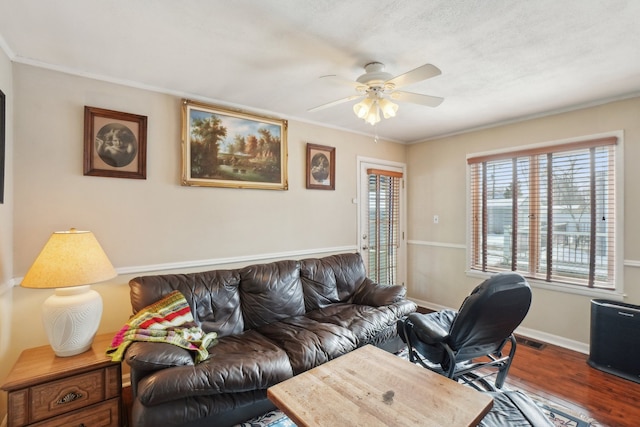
[
  {"x": 6, "y": 211},
  {"x": 6, "y": 222},
  {"x": 437, "y": 256},
  {"x": 157, "y": 221},
  {"x": 152, "y": 222}
]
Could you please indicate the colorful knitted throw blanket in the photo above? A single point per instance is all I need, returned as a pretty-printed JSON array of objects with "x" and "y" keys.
[{"x": 169, "y": 321}]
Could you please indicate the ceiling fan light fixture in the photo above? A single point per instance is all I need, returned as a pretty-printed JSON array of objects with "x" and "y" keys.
[
  {"x": 363, "y": 107},
  {"x": 389, "y": 109},
  {"x": 373, "y": 116}
]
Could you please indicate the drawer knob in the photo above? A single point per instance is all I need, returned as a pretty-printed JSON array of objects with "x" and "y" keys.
[{"x": 69, "y": 397}]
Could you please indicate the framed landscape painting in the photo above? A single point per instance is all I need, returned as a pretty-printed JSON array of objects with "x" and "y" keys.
[
  {"x": 115, "y": 144},
  {"x": 226, "y": 148}
]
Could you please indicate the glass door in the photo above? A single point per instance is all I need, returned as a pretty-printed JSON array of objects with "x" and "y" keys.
[{"x": 381, "y": 225}]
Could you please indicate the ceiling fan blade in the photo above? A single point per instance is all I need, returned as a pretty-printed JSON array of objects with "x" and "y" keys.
[
  {"x": 417, "y": 98},
  {"x": 341, "y": 81},
  {"x": 332, "y": 103},
  {"x": 416, "y": 75}
]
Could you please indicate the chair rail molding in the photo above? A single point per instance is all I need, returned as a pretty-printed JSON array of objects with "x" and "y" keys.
[
  {"x": 216, "y": 262},
  {"x": 437, "y": 244}
]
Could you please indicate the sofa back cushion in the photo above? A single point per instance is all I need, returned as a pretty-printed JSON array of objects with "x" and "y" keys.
[
  {"x": 270, "y": 292},
  {"x": 231, "y": 301},
  {"x": 331, "y": 279},
  {"x": 213, "y": 297}
]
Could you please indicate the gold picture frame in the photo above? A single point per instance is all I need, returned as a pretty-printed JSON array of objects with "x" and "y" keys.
[
  {"x": 321, "y": 167},
  {"x": 115, "y": 144},
  {"x": 233, "y": 149}
]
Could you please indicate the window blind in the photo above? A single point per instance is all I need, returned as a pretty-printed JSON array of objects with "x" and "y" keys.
[
  {"x": 547, "y": 213},
  {"x": 384, "y": 217}
]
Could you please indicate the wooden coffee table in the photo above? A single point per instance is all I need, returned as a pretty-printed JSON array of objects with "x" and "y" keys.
[{"x": 371, "y": 387}]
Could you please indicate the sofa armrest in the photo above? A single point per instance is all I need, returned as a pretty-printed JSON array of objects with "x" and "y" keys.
[
  {"x": 376, "y": 295},
  {"x": 153, "y": 356}
]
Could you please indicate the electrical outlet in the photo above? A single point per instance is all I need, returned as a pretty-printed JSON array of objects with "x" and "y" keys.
[{"x": 436, "y": 219}]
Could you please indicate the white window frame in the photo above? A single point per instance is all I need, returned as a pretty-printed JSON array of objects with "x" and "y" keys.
[{"x": 616, "y": 294}]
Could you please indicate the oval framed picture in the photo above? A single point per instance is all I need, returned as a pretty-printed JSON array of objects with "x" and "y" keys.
[
  {"x": 321, "y": 167},
  {"x": 115, "y": 144}
]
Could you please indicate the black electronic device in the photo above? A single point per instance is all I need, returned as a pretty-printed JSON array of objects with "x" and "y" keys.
[{"x": 615, "y": 338}]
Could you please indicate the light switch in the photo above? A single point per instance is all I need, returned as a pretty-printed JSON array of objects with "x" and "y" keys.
[{"x": 436, "y": 219}]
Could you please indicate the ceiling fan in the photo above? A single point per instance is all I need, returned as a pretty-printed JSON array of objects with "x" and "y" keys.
[{"x": 378, "y": 88}]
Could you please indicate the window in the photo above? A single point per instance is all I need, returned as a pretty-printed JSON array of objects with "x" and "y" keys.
[
  {"x": 384, "y": 218},
  {"x": 546, "y": 212}
]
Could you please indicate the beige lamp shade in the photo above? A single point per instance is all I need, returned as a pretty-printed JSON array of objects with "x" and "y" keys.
[
  {"x": 69, "y": 258},
  {"x": 69, "y": 262}
]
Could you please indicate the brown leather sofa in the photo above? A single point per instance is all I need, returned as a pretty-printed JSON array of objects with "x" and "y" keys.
[{"x": 273, "y": 321}]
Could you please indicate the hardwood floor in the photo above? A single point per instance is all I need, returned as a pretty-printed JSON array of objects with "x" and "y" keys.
[{"x": 562, "y": 376}]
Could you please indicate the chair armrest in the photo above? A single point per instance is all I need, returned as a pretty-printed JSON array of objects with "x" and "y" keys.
[
  {"x": 376, "y": 295},
  {"x": 153, "y": 356},
  {"x": 428, "y": 328}
]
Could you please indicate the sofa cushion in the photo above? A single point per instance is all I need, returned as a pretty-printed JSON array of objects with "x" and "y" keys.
[
  {"x": 364, "y": 321},
  {"x": 238, "y": 363},
  {"x": 331, "y": 279},
  {"x": 212, "y": 295},
  {"x": 270, "y": 292},
  {"x": 309, "y": 343},
  {"x": 374, "y": 294},
  {"x": 225, "y": 410}
]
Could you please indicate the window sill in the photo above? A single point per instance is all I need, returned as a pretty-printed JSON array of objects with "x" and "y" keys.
[{"x": 613, "y": 294}]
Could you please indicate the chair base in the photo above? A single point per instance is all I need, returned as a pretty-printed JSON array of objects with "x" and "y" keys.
[{"x": 442, "y": 359}]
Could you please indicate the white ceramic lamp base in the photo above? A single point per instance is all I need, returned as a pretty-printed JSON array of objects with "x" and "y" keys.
[{"x": 71, "y": 318}]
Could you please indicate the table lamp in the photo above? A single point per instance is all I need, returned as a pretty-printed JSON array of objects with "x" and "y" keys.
[{"x": 69, "y": 262}]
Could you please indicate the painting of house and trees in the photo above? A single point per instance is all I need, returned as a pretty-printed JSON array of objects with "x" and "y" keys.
[{"x": 225, "y": 148}]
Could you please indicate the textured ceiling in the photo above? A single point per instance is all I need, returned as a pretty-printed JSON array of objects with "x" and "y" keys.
[{"x": 501, "y": 60}]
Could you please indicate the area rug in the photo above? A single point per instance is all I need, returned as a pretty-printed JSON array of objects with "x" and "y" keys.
[
  {"x": 559, "y": 415},
  {"x": 270, "y": 419}
]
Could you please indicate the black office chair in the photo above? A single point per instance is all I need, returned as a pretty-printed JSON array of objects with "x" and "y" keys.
[{"x": 459, "y": 343}]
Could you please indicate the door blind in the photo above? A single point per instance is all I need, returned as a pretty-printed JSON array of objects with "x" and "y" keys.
[{"x": 384, "y": 218}]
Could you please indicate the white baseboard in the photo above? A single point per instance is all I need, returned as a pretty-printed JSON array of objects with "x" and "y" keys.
[
  {"x": 570, "y": 344},
  {"x": 567, "y": 343}
]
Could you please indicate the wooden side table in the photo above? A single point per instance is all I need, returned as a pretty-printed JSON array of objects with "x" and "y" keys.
[{"x": 83, "y": 390}]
